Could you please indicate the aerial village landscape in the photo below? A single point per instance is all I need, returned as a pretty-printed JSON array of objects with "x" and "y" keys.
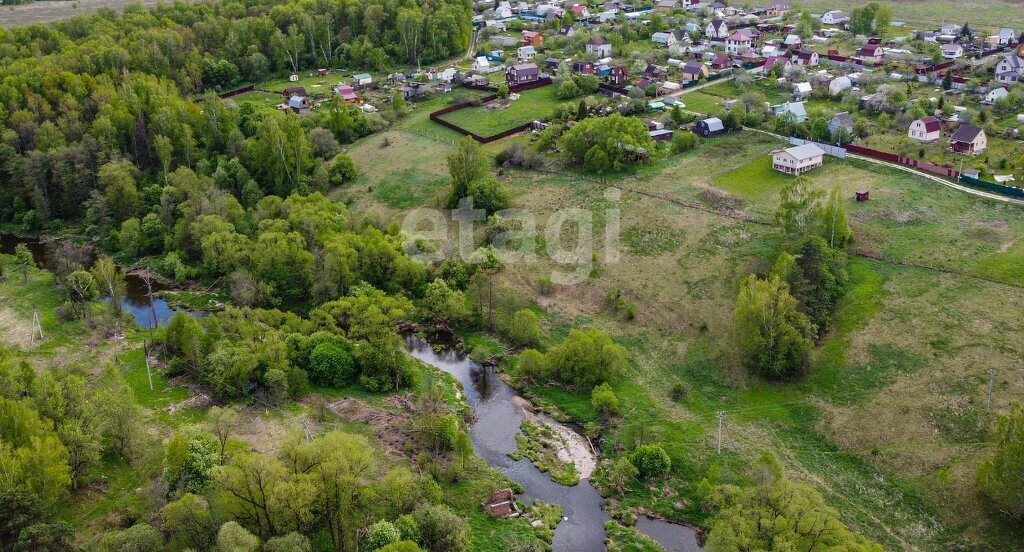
[{"x": 476, "y": 275}]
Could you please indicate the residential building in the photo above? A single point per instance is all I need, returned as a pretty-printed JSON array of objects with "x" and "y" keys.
[
  {"x": 581, "y": 11},
  {"x": 738, "y": 42},
  {"x": 695, "y": 70},
  {"x": 841, "y": 121},
  {"x": 1005, "y": 36},
  {"x": 481, "y": 65},
  {"x": 567, "y": 30},
  {"x": 299, "y": 104},
  {"x": 362, "y": 79},
  {"x": 802, "y": 90},
  {"x": 791, "y": 110},
  {"x": 599, "y": 47},
  {"x": 710, "y": 127},
  {"x": 808, "y": 58},
  {"x": 871, "y": 53},
  {"x": 721, "y": 62},
  {"x": 925, "y": 129},
  {"x": 532, "y": 38},
  {"x": 716, "y": 29},
  {"x": 994, "y": 95},
  {"x": 663, "y": 39},
  {"x": 526, "y": 53},
  {"x": 522, "y": 74},
  {"x": 793, "y": 42},
  {"x": 584, "y": 67},
  {"x": 952, "y": 51},
  {"x": 618, "y": 75},
  {"x": 1010, "y": 69},
  {"x": 798, "y": 159},
  {"x": 968, "y": 139},
  {"x": 771, "y": 62},
  {"x": 834, "y": 17}
]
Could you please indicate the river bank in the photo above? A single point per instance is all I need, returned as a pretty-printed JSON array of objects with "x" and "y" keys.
[{"x": 499, "y": 410}]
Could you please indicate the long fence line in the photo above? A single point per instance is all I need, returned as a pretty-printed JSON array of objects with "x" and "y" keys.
[{"x": 436, "y": 115}]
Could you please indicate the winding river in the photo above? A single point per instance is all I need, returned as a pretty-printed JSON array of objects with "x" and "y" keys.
[
  {"x": 498, "y": 414},
  {"x": 494, "y": 434},
  {"x": 136, "y": 302}
]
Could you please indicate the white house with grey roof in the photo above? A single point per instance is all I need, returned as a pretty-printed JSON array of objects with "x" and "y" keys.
[{"x": 798, "y": 159}]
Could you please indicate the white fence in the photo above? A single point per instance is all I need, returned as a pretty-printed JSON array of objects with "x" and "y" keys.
[{"x": 834, "y": 151}]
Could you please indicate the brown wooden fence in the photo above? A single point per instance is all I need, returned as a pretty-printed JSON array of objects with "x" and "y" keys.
[
  {"x": 893, "y": 158},
  {"x": 238, "y": 92},
  {"x": 436, "y": 116}
]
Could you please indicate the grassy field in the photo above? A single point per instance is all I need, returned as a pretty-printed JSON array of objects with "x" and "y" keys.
[
  {"x": 991, "y": 14},
  {"x": 531, "y": 105},
  {"x": 896, "y": 392}
]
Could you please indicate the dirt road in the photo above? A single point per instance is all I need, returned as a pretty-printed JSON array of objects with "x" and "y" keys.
[{"x": 45, "y": 11}]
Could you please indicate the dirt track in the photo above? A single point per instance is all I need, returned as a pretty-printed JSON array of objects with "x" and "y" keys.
[{"x": 45, "y": 11}]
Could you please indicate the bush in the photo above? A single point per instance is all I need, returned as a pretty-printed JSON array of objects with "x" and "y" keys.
[
  {"x": 604, "y": 401},
  {"x": 441, "y": 530},
  {"x": 343, "y": 170},
  {"x": 651, "y": 461},
  {"x": 380, "y": 535},
  {"x": 331, "y": 364},
  {"x": 684, "y": 141},
  {"x": 524, "y": 328},
  {"x": 545, "y": 286}
]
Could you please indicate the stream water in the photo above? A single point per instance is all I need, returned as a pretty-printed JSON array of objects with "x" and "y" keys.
[
  {"x": 136, "y": 300},
  {"x": 494, "y": 435}
]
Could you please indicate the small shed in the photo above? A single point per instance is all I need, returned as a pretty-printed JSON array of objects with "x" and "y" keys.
[{"x": 861, "y": 195}]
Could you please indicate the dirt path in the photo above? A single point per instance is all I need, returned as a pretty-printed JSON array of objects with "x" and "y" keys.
[
  {"x": 575, "y": 447},
  {"x": 46, "y": 11}
]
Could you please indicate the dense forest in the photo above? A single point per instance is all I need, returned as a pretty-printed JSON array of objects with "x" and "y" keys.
[{"x": 98, "y": 110}]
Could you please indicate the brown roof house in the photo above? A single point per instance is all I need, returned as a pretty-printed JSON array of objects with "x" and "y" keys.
[
  {"x": 968, "y": 139},
  {"x": 871, "y": 53},
  {"x": 522, "y": 74},
  {"x": 925, "y": 129},
  {"x": 694, "y": 70}
]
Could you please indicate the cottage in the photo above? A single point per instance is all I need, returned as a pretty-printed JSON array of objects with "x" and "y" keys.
[
  {"x": 721, "y": 62},
  {"x": 655, "y": 72},
  {"x": 952, "y": 51},
  {"x": 797, "y": 159},
  {"x": 566, "y": 30},
  {"x": 663, "y": 39},
  {"x": 777, "y": 8},
  {"x": 834, "y": 17},
  {"x": 522, "y": 74},
  {"x": 532, "y": 38},
  {"x": 299, "y": 104},
  {"x": 618, "y": 75},
  {"x": 738, "y": 42},
  {"x": 1010, "y": 69},
  {"x": 661, "y": 135},
  {"x": 481, "y": 65},
  {"x": 995, "y": 95},
  {"x": 871, "y": 53},
  {"x": 362, "y": 79},
  {"x": 793, "y": 42},
  {"x": 968, "y": 139},
  {"x": 526, "y": 53},
  {"x": 1005, "y": 36},
  {"x": 581, "y": 11},
  {"x": 716, "y": 29},
  {"x": 841, "y": 123},
  {"x": 925, "y": 129},
  {"x": 666, "y": 5},
  {"x": 838, "y": 85},
  {"x": 299, "y": 91},
  {"x": 347, "y": 93},
  {"x": 808, "y": 58},
  {"x": 769, "y": 64},
  {"x": 710, "y": 127},
  {"x": 584, "y": 67},
  {"x": 694, "y": 70},
  {"x": 791, "y": 110},
  {"x": 801, "y": 90},
  {"x": 599, "y": 47}
]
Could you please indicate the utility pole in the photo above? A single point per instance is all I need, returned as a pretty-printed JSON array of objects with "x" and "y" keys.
[
  {"x": 37, "y": 327},
  {"x": 991, "y": 377},
  {"x": 721, "y": 418}
]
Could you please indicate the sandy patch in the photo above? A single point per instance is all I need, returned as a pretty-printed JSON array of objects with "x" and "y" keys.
[
  {"x": 574, "y": 447},
  {"x": 15, "y": 331}
]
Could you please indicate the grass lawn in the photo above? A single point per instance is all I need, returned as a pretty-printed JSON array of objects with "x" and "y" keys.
[
  {"x": 992, "y": 14},
  {"x": 531, "y": 105},
  {"x": 753, "y": 179}
]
